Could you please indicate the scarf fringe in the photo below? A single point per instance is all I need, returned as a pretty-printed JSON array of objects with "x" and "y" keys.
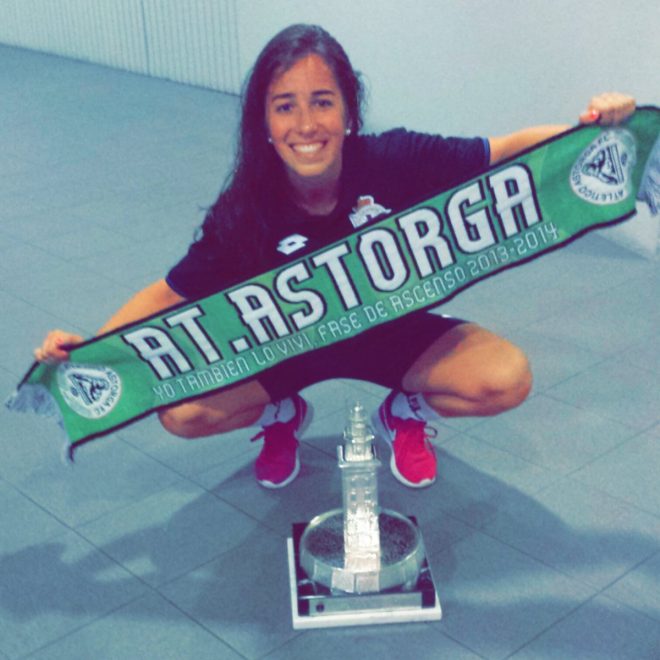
[
  {"x": 649, "y": 188},
  {"x": 35, "y": 398}
]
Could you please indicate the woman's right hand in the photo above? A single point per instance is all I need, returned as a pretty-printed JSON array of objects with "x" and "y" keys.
[{"x": 52, "y": 351}]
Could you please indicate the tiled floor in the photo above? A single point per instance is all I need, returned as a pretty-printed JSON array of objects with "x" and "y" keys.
[{"x": 543, "y": 530}]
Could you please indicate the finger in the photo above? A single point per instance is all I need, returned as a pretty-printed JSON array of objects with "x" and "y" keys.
[
  {"x": 613, "y": 107},
  {"x": 50, "y": 346},
  {"x": 53, "y": 349},
  {"x": 589, "y": 116},
  {"x": 41, "y": 356},
  {"x": 626, "y": 108},
  {"x": 69, "y": 342}
]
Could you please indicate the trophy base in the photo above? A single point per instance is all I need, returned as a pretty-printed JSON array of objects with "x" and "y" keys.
[{"x": 314, "y": 605}]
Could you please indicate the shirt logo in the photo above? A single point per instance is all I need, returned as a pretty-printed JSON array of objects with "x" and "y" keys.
[
  {"x": 366, "y": 210},
  {"x": 292, "y": 243},
  {"x": 91, "y": 391},
  {"x": 601, "y": 175}
]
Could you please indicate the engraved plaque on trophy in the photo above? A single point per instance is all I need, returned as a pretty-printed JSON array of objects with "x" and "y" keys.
[{"x": 360, "y": 564}]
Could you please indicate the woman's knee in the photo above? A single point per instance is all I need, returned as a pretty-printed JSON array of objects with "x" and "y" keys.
[
  {"x": 216, "y": 413},
  {"x": 190, "y": 422},
  {"x": 508, "y": 380}
]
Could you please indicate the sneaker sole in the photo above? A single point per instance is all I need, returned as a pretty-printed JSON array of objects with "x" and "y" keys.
[
  {"x": 307, "y": 420},
  {"x": 384, "y": 432}
]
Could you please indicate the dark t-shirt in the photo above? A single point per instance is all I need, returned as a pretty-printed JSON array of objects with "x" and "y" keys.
[{"x": 381, "y": 174}]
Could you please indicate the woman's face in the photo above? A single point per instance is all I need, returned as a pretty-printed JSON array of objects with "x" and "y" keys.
[{"x": 306, "y": 121}]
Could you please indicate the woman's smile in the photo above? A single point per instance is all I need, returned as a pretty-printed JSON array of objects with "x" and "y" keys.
[{"x": 309, "y": 148}]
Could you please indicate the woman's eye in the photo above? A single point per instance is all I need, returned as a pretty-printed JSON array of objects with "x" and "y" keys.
[
  {"x": 324, "y": 103},
  {"x": 283, "y": 107}
]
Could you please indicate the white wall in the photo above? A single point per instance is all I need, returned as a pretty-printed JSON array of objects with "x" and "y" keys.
[
  {"x": 452, "y": 66},
  {"x": 192, "y": 42},
  {"x": 479, "y": 66}
]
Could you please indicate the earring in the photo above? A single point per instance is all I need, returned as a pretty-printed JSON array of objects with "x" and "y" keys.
[{"x": 347, "y": 131}]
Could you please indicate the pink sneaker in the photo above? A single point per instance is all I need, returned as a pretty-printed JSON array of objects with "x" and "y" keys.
[
  {"x": 278, "y": 463},
  {"x": 413, "y": 460}
]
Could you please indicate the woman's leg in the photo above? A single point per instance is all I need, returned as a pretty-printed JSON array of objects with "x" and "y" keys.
[
  {"x": 467, "y": 371},
  {"x": 470, "y": 371},
  {"x": 244, "y": 405},
  {"x": 231, "y": 409}
]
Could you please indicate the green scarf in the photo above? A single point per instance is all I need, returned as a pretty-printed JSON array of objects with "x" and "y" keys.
[{"x": 536, "y": 202}]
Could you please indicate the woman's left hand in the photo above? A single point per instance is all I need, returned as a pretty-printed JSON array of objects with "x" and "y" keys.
[{"x": 608, "y": 109}]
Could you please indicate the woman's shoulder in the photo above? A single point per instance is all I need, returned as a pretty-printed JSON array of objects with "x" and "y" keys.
[
  {"x": 401, "y": 140},
  {"x": 393, "y": 137},
  {"x": 422, "y": 162},
  {"x": 402, "y": 147},
  {"x": 405, "y": 144}
]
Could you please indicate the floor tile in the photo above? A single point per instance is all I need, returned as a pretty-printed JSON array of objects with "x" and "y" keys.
[
  {"x": 85, "y": 243},
  {"x": 8, "y": 242},
  {"x": 615, "y": 390},
  {"x": 646, "y": 355},
  {"x": 317, "y": 489},
  {"x": 552, "y": 360},
  {"x": 187, "y": 457},
  {"x": 22, "y": 259},
  {"x": 610, "y": 322},
  {"x": 242, "y": 597},
  {"x": 79, "y": 311},
  {"x": 149, "y": 627},
  {"x": 588, "y": 266},
  {"x": 477, "y": 305},
  {"x": 441, "y": 531},
  {"x": 640, "y": 588},
  {"x": 169, "y": 533},
  {"x": 495, "y": 598},
  {"x": 22, "y": 522},
  {"x": 141, "y": 223},
  {"x": 524, "y": 299},
  {"x": 36, "y": 229},
  {"x": 552, "y": 434},
  {"x": 580, "y": 531},
  {"x": 23, "y": 327},
  {"x": 51, "y": 588},
  {"x": 475, "y": 480},
  {"x": 601, "y": 629},
  {"x": 629, "y": 473},
  {"x": 393, "y": 641},
  {"x": 108, "y": 474}
]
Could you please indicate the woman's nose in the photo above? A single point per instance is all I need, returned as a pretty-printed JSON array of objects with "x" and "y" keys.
[{"x": 306, "y": 120}]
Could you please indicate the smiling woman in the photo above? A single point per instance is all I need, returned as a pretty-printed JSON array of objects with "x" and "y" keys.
[
  {"x": 306, "y": 120},
  {"x": 304, "y": 178}
]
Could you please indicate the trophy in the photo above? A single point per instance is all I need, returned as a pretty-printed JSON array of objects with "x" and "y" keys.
[{"x": 360, "y": 564}]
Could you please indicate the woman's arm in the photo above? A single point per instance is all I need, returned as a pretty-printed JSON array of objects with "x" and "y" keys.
[
  {"x": 154, "y": 298},
  {"x": 606, "y": 109}
]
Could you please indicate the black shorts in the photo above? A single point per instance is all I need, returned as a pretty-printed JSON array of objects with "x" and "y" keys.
[{"x": 382, "y": 355}]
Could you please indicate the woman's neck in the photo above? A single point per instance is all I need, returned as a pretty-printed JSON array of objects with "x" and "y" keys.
[
  {"x": 315, "y": 197},
  {"x": 317, "y": 202}
]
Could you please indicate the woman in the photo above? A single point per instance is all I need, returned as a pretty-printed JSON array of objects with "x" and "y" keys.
[{"x": 304, "y": 177}]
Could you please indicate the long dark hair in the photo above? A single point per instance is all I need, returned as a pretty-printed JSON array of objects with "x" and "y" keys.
[{"x": 240, "y": 215}]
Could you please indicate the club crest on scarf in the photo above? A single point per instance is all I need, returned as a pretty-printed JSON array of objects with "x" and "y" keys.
[
  {"x": 90, "y": 391},
  {"x": 601, "y": 175}
]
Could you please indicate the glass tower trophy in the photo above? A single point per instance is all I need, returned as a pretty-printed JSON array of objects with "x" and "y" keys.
[{"x": 360, "y": 564}]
